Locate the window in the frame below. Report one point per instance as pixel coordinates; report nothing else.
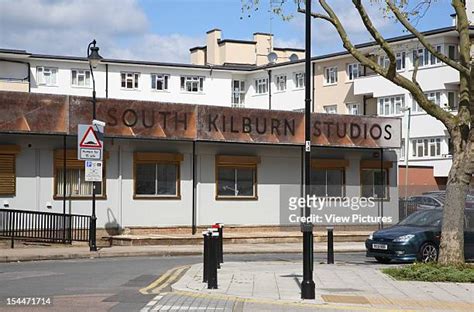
(453, 100)
(424, 57)
(384, 61)
(353, 109)
(80, 78)
(192, 84)
(46, 76)
(299, 80)
(129, 80)
(261, 86)
(434, 96)
(159, 82)
(453, 52)
(330, 109)
(374, 182)
(400, 59)
(238, 93)
(157, 175)
(330, 75)
(428, 147)
(236, 177)
(8, 169)
(353, 71)
(390, 105)
(328, 177)
(281, 82)
(76, 185)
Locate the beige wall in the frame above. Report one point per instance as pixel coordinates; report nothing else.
(198, 57)
(339, 94)
(240, 53)
(14, 86)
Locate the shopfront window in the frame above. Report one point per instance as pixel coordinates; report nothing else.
(374, 183)
(236, 177)
(157, 175)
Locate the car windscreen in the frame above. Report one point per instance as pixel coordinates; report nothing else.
(429, 217)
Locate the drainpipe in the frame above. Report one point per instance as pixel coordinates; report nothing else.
(106, 81)
(270, 89)
(314, 89)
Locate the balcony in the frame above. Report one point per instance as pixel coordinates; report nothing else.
(18, 85)
(429, 77)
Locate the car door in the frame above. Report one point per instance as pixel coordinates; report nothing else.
(469, 234)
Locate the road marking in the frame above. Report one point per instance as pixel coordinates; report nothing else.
(164, 280)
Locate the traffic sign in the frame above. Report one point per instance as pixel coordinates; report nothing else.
(90, 142)
(93, 171)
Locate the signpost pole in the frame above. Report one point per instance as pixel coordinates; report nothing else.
(93, 244)
(307, 285)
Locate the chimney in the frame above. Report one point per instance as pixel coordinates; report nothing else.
(213, 55)
(264, 45)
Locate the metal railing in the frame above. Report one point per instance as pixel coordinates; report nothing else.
(44, 226)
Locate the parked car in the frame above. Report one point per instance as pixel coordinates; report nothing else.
(416, 238)
(427, 201)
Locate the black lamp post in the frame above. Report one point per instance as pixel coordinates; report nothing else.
(94, 59)
(307, 285)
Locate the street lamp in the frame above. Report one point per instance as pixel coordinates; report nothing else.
(407, 147)
(94, 59)
(307, 285)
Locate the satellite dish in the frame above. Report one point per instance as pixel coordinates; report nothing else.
(294, 57)
(272, 57)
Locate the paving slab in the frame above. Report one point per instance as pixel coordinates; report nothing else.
(340, 285)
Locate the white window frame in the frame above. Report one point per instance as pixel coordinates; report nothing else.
(353, 71)
(424, 147)
(330, 109)
(351, 107)
(81, 73)
(428, 58)
(133, 77)
(455, 55)
(391, 105)
(384, 61)
(299, 80)
(261, 85)
(434, 96)
(52, 73)
(163, 78)
(238, 93)
(280, 81)
(452, 106)
(330, 75)
(192, 84)
(401, 60)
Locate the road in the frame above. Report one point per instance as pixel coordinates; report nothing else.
(114, 284)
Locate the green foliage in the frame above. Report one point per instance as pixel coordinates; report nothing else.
(433, 272)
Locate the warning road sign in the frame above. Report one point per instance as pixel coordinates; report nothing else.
(90, 142)
(90, 139)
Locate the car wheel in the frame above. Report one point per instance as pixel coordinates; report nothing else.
(383, 260)
(428, 253)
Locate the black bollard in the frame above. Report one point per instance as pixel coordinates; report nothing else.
(212, 273)
(330, 245)
(221, 242)
(205, 264)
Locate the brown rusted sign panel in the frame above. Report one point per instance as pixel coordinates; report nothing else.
(60, 114)
(140, 119)
(29, 112)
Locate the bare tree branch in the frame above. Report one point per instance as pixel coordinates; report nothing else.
(392, 68)
(415, 71)
(446, 118)
(317, 15)
(404, 21)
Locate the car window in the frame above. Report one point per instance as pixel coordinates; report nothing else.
(469, 226)
(429, 217)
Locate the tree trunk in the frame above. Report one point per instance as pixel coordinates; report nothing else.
(452, 237)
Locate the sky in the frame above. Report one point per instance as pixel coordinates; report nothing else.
(165, 30)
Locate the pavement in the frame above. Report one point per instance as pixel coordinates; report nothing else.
(341, 286)
(60, 253)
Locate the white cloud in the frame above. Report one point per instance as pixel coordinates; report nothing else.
(65, 27)
(325, 37)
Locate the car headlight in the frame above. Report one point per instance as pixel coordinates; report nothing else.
(371, 236)
(404, 238)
